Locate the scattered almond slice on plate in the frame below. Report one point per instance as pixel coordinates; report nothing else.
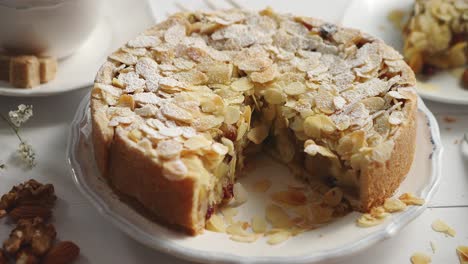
(278, 237)
(420, 258)
(440, 226)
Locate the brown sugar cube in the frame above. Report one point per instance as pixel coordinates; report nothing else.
(4, 67)
(24, 71)
(47, 68)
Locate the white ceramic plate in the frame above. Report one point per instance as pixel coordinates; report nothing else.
(371, 16)
(78, 70)
(334, 241)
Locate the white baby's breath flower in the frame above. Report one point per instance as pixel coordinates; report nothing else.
(27, 154)
(21, 115)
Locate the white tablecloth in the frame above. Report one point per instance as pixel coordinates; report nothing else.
(100, 242)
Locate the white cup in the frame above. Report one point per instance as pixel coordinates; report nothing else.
(47, 27)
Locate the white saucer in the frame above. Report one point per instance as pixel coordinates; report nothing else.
(332, 242)
(77, 71)
(371, 16)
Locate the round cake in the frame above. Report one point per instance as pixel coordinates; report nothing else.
(176, 111)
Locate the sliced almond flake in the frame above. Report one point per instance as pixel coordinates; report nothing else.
(197, 142)
(394, 205)
(175, 34)
(240, 194)
(216, 224)
(219, 148)
(241, 85)
(440, 226)
(143, 41)
(396, 118)
(379, 212)
(132, 81)
(295, 88)
(237, 228)
(339, 102)
(249, 238)
(367, 220)
(410, 199)
(188, 132)
(259, 225)
(420, 258)
(231, 115)
(258, 134)
(115, 121)
(146, 98)
(168, 149)
(112, 90)
(324, 101)
(290, 197)
(265, 76)
(278, 237)
(147, 68)
(462, 252)
(229, 213)
(174, 112)
(170, 131)
(124, 57)
(146, 111)
(151, 133)
(206, 122)
(174, 169)
(262, 185)
(278, 217)
(166, 82)
(396, 95)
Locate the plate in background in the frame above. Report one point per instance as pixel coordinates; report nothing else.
(371, 17)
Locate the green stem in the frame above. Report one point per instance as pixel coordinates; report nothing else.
(13, 127)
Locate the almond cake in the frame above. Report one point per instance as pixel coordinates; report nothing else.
(176, 110)
(436, 35)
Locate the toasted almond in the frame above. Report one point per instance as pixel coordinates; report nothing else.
(62, 252)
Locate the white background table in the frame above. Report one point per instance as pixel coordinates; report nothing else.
(100, 242)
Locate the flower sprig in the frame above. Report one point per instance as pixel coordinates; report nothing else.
(15, 120)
